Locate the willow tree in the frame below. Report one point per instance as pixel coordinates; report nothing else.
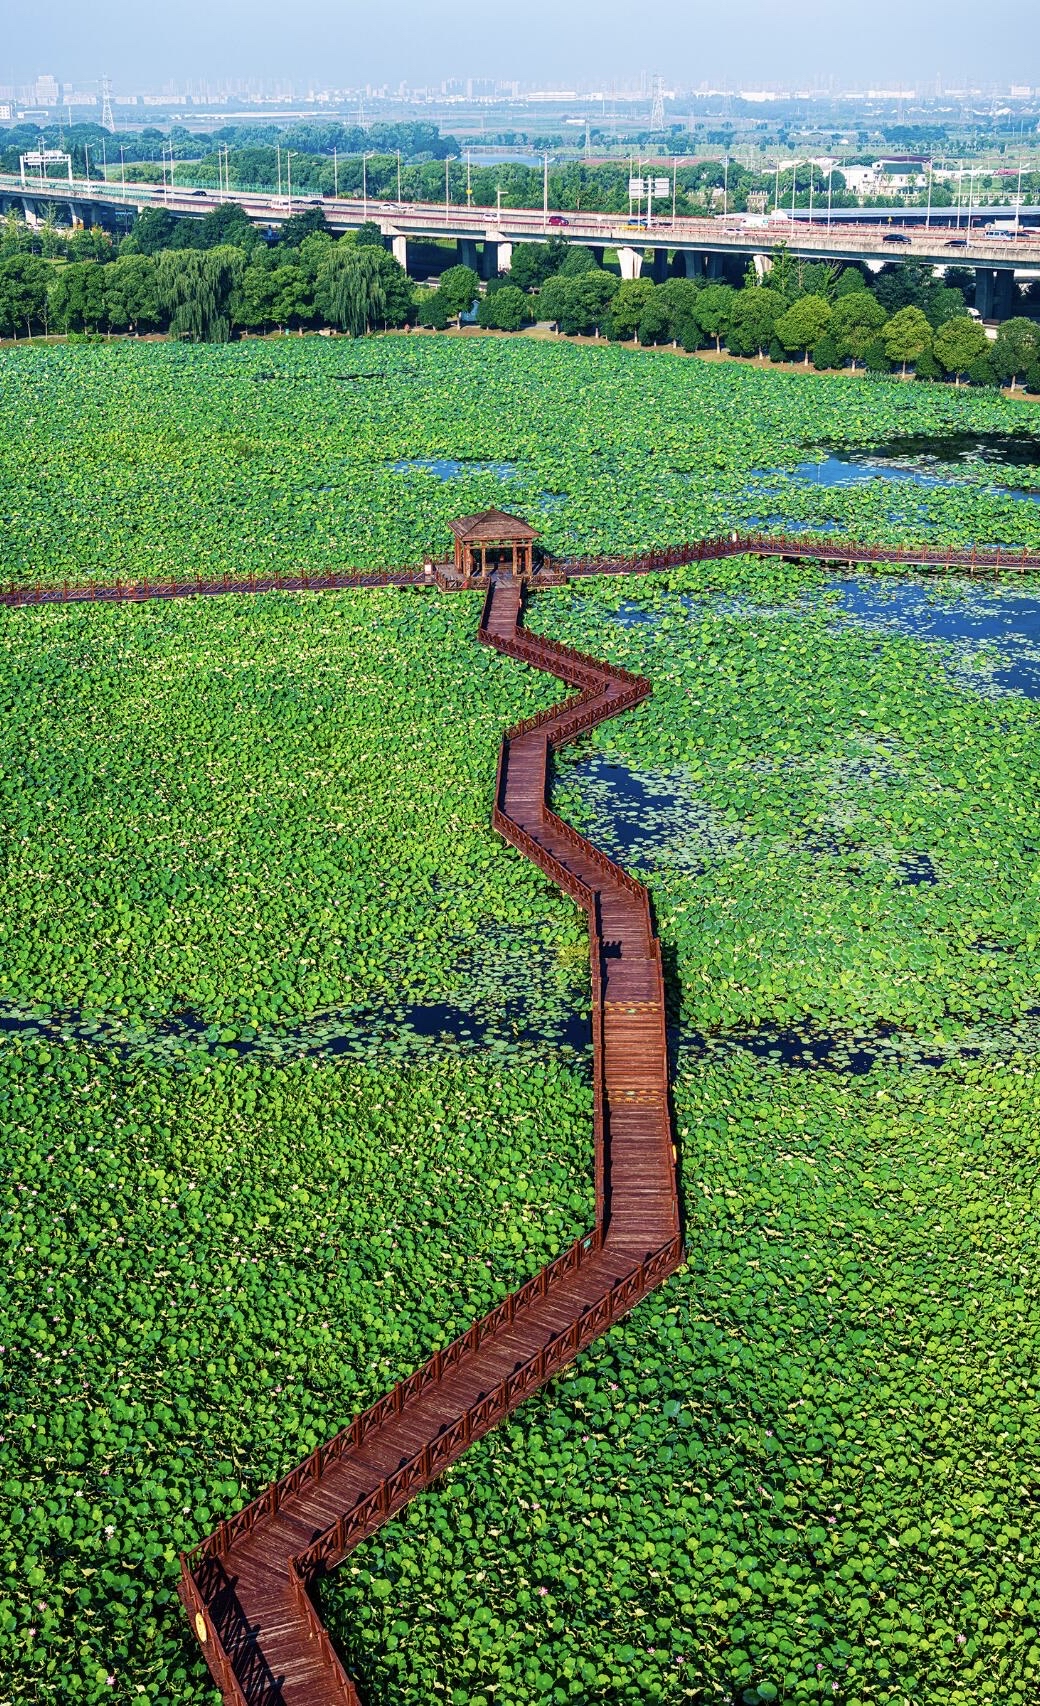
(361, 287)
(194, 289)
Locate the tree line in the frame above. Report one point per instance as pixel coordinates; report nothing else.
(232, 280)
(902, 319)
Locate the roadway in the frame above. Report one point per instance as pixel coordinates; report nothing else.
(939, 245)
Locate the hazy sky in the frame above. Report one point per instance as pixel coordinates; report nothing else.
(558, 43)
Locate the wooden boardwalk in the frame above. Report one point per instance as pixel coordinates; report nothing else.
(246, 1587)
(801, 548)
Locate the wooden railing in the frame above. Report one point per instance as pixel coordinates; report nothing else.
(394, 1403)
(396, 1489)
(794, 548)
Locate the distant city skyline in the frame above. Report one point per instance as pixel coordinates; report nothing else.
(314, 44)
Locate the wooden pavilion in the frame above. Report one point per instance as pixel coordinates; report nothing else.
(490, 541)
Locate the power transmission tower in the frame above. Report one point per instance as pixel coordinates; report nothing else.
(107, 121)
(657, 107)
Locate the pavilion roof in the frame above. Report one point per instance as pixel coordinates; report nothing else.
(492, 526)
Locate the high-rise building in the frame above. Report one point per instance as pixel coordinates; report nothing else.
(46, 92)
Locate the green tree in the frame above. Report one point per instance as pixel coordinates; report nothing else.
(680, 297)
(654, 325)
(506, 310)
(783, 273)
(253, 304)
(77, 297)
(154, 230)
(554, 298)
(803, 324)
(712, 309)
(958, 344)
(628, 307)
(194, 288)
(311, 223)
(130, 296)
(577, 260)
(850, 283)
(360, 287)
(533, 263)
(825, 352)
(855, 323)
(907, 335)
(1016, 348)
(228, 224)
(23, 294)
(460, 288)
(753, 320)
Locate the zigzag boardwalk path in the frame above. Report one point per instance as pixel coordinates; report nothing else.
(245, 1587)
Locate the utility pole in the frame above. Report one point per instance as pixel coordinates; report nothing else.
(335, 172)
(288, 169)
(278, 153)
(545, 190)
(107, 121)
(398, 175)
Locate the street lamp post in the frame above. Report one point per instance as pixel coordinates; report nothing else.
(545, 190)
(399, 176)
(335, 173)
(122, 172)
(288, 190)
(1018, 202)
(928, 214)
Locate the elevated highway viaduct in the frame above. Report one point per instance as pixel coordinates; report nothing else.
(485, 237)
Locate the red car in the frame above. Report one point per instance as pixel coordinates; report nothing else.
(558, 219)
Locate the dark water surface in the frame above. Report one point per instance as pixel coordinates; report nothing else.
(927, 461)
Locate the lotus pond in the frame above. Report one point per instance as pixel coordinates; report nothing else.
(287, 1037)
(809, 1467)
(159, 460)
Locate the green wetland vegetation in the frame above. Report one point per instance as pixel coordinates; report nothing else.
(807, 1468)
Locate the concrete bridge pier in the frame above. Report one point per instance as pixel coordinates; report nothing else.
(631, 263)
(597, 251)
(497, 257)
(399, 247)
(995, 292)
(688, 263)
(468, 253)
(761, 265)
(659, 265)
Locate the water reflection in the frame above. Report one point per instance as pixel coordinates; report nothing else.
(992, 638)
(451, 468)
(926, 462)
